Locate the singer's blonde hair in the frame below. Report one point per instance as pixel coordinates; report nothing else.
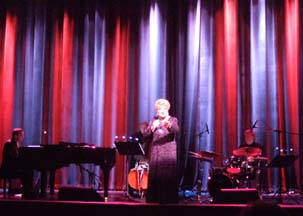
(162, 102)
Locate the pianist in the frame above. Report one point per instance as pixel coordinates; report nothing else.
(10, 162)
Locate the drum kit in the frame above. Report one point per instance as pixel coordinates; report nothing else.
(239, 170)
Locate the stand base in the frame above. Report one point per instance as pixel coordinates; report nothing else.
(279, 195)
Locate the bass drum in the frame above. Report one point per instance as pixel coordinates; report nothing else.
(218, 181)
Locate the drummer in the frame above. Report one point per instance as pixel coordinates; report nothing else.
(250, 140)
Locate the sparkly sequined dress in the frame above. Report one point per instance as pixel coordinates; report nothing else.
(162, 176)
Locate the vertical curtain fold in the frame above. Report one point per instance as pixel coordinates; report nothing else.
(7, 74)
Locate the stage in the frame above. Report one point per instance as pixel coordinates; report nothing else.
(119, 203)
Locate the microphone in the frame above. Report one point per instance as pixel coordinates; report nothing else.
(254, 125)
(153, 127)
(207, 130)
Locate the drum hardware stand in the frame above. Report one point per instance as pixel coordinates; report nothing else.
(261, 173)
(247, 174)
(247, 177)
(199, 180)
(128, 148)
(201, 157)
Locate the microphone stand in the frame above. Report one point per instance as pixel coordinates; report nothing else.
(92, 176)
(279, 161)
(279, 192)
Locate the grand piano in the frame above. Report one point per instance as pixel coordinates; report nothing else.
(50, 157)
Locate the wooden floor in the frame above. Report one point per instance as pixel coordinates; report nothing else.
(121, 204)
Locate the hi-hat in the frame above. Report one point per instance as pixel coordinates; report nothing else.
(247, 151)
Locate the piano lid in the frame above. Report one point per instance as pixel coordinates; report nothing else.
(33, 146)
(38, 145)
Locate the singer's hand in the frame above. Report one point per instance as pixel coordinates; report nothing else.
(156, 123)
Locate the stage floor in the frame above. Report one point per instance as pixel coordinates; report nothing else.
(119, 203)
(186, 197)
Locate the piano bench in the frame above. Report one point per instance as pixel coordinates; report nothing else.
(7, 178)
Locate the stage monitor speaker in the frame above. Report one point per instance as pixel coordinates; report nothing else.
(236, 196)
(79, 194)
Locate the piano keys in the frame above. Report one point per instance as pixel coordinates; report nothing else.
(50, 157)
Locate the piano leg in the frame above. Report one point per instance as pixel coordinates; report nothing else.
(52, 182)
(106, 171)
(43, 180)
(44, 177)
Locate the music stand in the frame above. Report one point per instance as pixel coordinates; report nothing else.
(282, 161)
(129, 148)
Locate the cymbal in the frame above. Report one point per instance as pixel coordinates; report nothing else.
(247, 151)
(262, 158)
(200, 157)
(208, 154)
